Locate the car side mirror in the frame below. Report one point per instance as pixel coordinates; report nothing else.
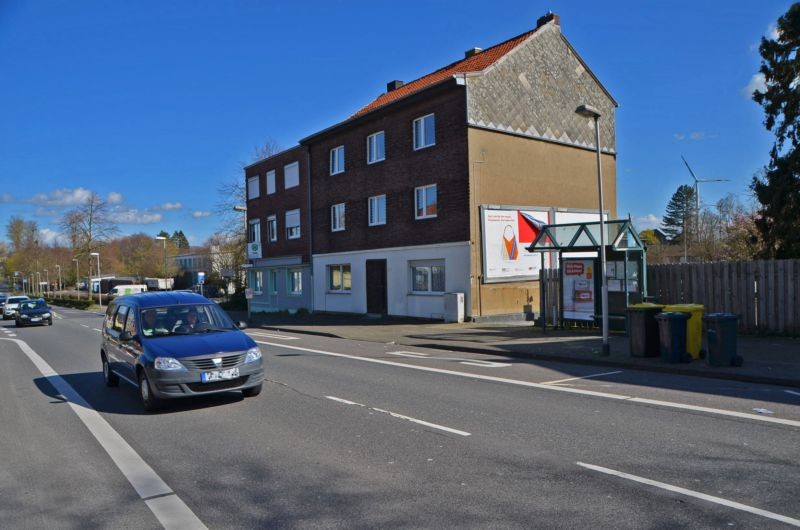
(241, 325)
(126, 335)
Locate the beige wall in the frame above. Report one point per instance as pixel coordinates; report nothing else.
(517, 171)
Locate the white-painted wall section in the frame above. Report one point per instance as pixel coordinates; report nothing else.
(401, 300)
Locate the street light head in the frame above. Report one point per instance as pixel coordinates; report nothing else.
(75, 259)
(240, 208)
(95, 253)
(587, 111)
(161, 238)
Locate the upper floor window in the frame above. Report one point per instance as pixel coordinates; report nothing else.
(337, 217)
(291, 175)
(254, 231)
(424, 132)
(293, 224)
(337, 160)
(377, 210)
(270, 182)
(252, 187)
(425, 202)
(375, 148)
(272, 228)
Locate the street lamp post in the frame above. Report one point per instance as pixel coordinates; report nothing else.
(77, 276)
(164, 239)
(38, 283)
(99, 281)
(243, 209)
(47, 287)
(588, 111)
(59, 278)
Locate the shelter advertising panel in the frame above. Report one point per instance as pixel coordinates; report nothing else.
(506, 233)
(579, 294)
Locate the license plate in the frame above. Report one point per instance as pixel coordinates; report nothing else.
(219, 375)
(36, 319)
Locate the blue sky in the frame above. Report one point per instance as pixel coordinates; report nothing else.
(153, 104)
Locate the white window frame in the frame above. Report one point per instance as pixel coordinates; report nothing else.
(292, 288)
(424, 190)
(294, 169)
(253, 191)
(428, 267)
(341, 288)
(421, 140)
(372, 203)
(253, 231)
(338, 213)
(335, 161)
(372, 150)
(290, 234)
(272, 228)
(271, 182)
(258, 283)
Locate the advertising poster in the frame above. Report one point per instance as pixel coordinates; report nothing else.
(579, 294)
(506, 234)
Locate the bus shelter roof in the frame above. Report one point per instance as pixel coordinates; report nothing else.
(620, 235)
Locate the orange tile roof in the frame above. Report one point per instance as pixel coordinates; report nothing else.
(477, 63)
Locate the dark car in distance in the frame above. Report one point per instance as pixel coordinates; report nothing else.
(33, 313)
(177, 344)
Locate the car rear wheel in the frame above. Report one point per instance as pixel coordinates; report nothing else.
(253, 391)
(149, 401)
(111, 379)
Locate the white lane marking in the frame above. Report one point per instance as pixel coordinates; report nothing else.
(402, 417)
(792, 392)
(485, 364)
(696, 494)
(84, 325)
(554, 388)
(95, 329)
(169, 509)
(584, 377)
(271, 335)
(408, 354)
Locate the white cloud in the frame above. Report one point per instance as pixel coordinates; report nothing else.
(772, 32)
(135, 217)
(198, 214)
(679, 136)
(6, 197)
(647, 222)
(63, 197)
(697, 135)
(50, 237)
(41, 211)
(169, 206)
(114, 198)
(757, 83)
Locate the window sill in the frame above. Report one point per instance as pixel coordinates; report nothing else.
(337, 173)
(377, 224)
(337, 229)
(424, 147)
(338, 292)
(425, 217)
(426, 293)
(375, 161)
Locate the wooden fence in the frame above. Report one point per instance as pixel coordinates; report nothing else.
(765, 294)
(551, 296)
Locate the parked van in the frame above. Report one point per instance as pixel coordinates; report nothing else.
(120, 290)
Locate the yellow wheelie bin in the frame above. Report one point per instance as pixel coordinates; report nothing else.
(694, 326)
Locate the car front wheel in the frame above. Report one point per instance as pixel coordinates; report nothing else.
(149, 401)
(110, 378)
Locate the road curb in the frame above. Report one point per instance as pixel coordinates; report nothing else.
(664, 369)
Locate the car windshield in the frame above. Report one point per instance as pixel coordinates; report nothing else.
(16, 299)
(184, 319)
(33, 304)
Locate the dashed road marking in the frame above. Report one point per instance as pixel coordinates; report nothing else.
(792, 392)
(271, 335)
(583, 377)
(695, 494)
(402, 417)
(165, 504)
(555, 388)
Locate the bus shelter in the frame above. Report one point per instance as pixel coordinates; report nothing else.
(573, 250)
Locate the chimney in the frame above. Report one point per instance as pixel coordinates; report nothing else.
(472, 51)
(393, 85)
(550, 16)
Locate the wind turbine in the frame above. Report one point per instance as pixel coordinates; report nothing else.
(696, 187)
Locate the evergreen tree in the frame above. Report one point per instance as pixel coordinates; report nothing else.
(179, 240)
(778, 190)
(680, 214)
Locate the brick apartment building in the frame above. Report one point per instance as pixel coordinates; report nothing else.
(436, 185)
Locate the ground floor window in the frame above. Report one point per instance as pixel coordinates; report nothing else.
(257, 282)
(273, 281)
(339, 278)
(295, 279)
(427, 276)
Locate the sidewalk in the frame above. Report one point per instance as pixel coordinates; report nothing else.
(768, 360)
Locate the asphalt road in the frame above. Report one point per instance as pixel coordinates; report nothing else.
(362, 435)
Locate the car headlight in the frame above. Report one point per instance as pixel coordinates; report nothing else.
(253, 354)
(45, 315)
(167, 363)
(24, 316)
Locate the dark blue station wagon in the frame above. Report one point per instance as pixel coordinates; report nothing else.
(177, 344)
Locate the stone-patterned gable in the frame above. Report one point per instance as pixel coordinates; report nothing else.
(534, 91)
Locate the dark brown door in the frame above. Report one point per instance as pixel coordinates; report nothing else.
(376, 286)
